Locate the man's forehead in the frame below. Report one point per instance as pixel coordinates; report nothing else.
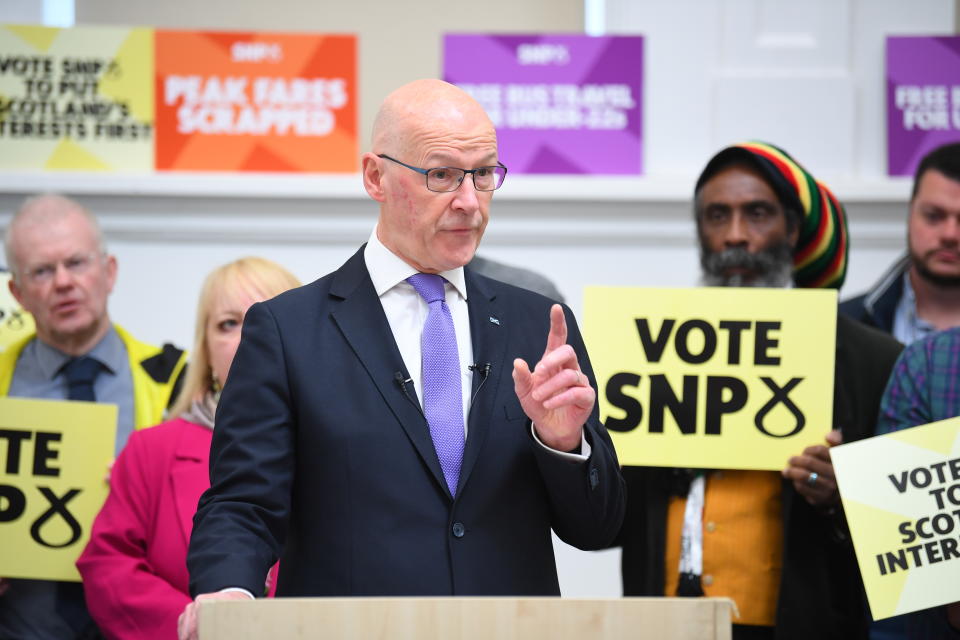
(457, 152)
(463, 123)
(444, 143)
(60, 237)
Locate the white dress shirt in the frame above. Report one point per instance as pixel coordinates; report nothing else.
(406, 312)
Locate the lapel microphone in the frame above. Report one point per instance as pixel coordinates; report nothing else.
(484, 369)
(402, 381)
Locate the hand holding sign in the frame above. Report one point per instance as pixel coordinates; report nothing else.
(556, 396)
(812, 473)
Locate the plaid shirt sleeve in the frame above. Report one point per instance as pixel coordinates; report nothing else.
(925, 384)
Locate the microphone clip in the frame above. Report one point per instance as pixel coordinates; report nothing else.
(483, 369)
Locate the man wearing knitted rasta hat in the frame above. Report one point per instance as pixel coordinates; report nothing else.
(777, 544)
(813, 250)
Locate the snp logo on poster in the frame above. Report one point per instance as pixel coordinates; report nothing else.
(256, 52)
(543, 54)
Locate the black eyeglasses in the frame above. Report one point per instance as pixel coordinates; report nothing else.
(443, 179)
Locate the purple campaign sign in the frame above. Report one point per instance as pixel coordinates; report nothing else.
(923, 98)
(561, 103)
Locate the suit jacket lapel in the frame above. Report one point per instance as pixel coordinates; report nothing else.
(487, 333)
(363, 324)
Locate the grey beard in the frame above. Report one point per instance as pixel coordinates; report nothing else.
(773, 267)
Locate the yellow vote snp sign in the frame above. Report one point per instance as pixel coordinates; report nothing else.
(14, 321)
(720, 378)
(53, 464)
(901, 496)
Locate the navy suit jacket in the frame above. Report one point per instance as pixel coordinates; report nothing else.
(319, 457)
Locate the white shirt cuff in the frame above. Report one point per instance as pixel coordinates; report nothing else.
(239, 590)
(572, 457)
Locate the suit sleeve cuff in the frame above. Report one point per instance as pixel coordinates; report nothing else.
(583, 456)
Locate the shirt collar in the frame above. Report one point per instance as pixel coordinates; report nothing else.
(387, 269)
(110, 352)
(909, 297)
(908, 301)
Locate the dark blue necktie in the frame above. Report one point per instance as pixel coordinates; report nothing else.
(80, 374)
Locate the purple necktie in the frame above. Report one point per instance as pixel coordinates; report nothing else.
(442, 397)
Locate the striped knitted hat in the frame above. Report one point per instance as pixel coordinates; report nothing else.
(820, 257)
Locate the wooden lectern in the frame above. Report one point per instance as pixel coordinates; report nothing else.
(467, 619)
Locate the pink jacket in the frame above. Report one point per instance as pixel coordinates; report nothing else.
(134, 567)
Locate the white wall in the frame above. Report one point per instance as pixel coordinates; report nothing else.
(806, 75)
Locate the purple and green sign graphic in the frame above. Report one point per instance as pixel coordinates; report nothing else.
(923, 98)
(562, 104)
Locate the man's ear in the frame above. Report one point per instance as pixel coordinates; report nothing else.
(15, 289)
(794, 217)
(373, 176)
(111, 267)
(794, 236)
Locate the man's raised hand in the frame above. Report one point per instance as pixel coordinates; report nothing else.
(556, 395)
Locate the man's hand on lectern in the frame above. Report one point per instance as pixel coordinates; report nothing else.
(187, 623)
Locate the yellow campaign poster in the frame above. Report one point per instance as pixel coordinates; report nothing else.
(76, 99)
(718, 378)
(54, 457)
(901, 496)
(14, 321)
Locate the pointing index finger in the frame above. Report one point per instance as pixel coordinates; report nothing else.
(558, 329)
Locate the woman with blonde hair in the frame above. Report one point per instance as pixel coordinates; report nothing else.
(134, 567)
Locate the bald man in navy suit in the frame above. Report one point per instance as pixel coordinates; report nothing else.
(328, 451)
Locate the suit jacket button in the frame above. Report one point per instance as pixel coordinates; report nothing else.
(459, 530)
(594, 478)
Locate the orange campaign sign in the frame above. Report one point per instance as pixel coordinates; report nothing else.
(255, 101)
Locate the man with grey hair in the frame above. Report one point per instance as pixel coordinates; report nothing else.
(63, 275)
